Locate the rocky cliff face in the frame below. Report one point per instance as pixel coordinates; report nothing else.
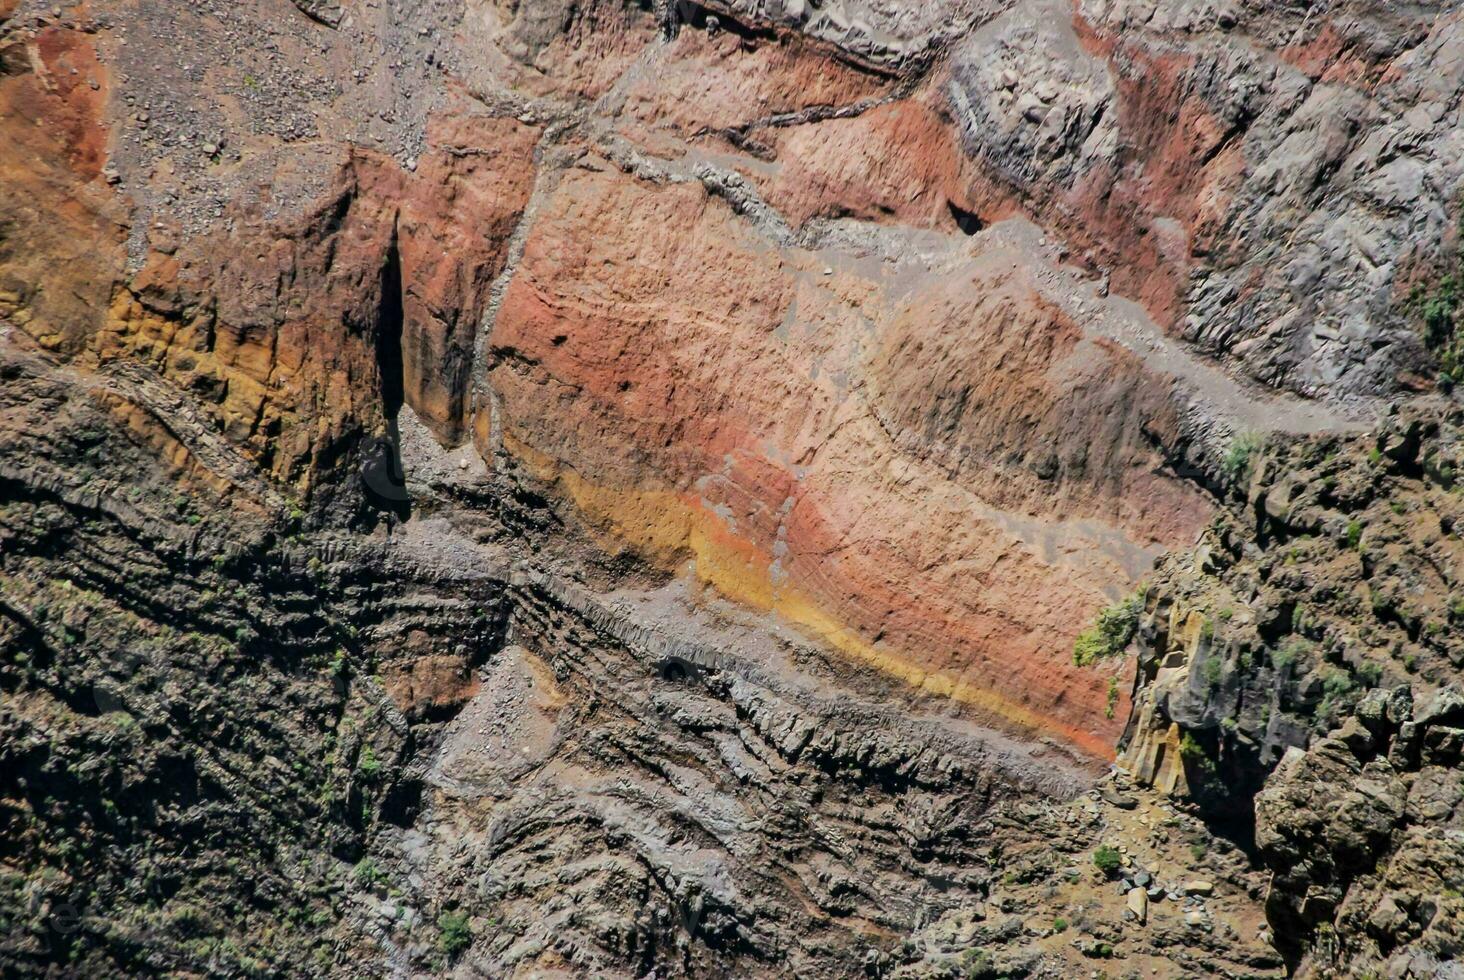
(1298, 676)
(616, 488)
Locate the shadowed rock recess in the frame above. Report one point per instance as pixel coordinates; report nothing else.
(754, 488)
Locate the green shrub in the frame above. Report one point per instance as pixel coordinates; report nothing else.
(1440, 309)
(1110, 633)
(1213, 668)
(1059, 925)
(367, 873)
(1236, 464)
(1354, 534)
(1295, 648)
(1196, 759)
(976, 965)
(1336, 683)
(455, 935)
(1107, 859)
(1370, 673)
(1112, 697)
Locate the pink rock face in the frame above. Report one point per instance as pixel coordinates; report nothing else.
(857, 451)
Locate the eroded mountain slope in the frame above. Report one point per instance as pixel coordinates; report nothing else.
(822, 369)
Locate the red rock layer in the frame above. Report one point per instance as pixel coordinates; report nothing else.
(854, 451)
(271, 322)
(913, 456)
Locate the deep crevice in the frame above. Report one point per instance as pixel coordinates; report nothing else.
(968, 221)
(381, 467)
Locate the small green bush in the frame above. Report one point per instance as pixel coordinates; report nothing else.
(1236, 464)
(1336, 683)
(367, 873)
(1112, 697)
(1354, 534)
(1370, 673)
(1213, 668)
(1107, 859)
(1059, 925)
(1443, 325)
(1295, 648)
(455, 935)
(1196, 759)
(1110, 633)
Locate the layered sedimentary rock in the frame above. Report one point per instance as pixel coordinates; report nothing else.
(675, 448)
(885, 148)
(782, 423)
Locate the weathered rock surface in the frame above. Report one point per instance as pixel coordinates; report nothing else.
(299, 750)
(1307, 652)
(1337, 570)
(1363, 829)
(555, 488)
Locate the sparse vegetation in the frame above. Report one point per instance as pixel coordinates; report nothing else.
(976, 964)
(1370, 673)
(1295, 648)
(1354, 534)
(1196, 759)
(1213, 668)
(1112, 697)
(1237, 462)
(1337, 685)
(367, 873)
(1107, 859)
(454, 935)
(1110, 634)
(1440, 308)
